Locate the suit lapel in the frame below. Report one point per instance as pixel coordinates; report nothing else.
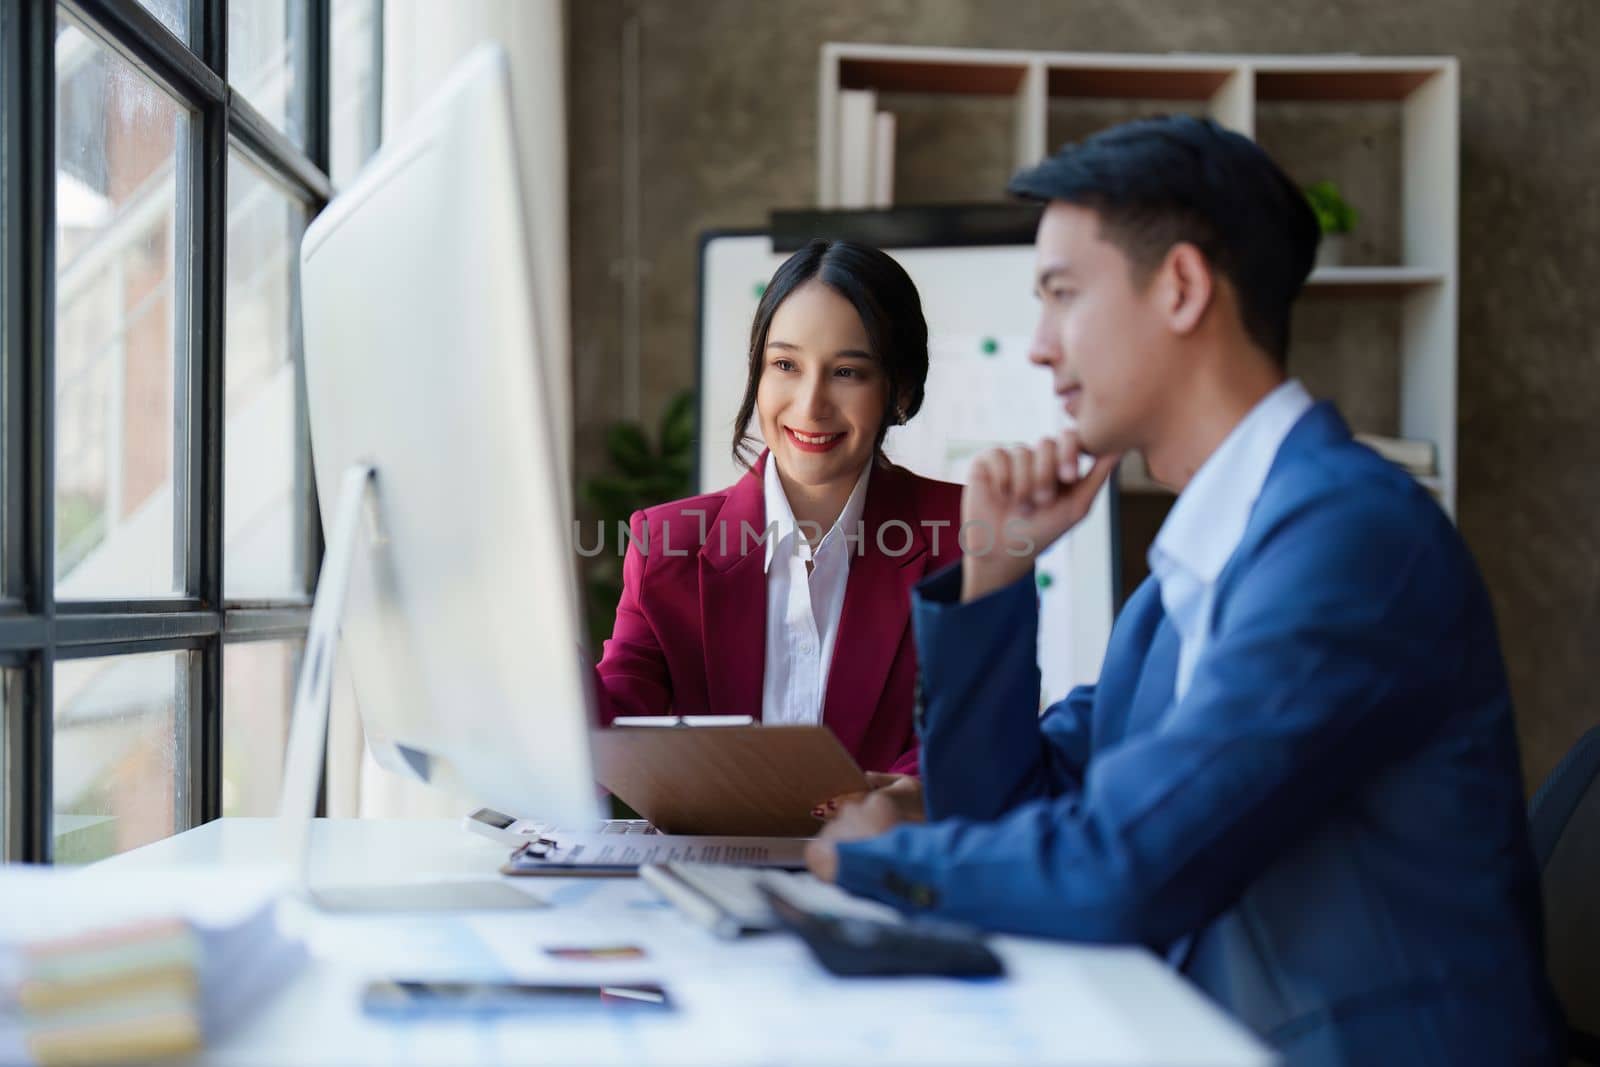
(1318, 428)
(733, 600)
(877, 606)
(1157, 680)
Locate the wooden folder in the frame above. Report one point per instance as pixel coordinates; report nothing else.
(759, 781)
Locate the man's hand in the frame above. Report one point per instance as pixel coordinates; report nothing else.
(855, 822)
(1018, 501)
(904, 789)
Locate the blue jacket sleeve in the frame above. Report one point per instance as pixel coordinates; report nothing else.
(982, 747)
(1333, 655)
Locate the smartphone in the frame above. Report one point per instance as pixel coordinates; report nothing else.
(411, 1000)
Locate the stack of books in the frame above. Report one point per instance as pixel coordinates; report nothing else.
(145, 989)
(1417, 458)
(866, 151)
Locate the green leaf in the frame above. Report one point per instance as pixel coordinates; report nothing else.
(603, 594)
(606, 569)
(680, 468)
(660, 489)
(629, 448)
(1334, 214)
(640, 476)
(678, 426)
(613, 498)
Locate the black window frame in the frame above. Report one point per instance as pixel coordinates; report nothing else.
(36, 630)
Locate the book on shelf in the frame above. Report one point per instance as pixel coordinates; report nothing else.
(865, 156)
(857, 108)
(1418, 458)
(883, 129)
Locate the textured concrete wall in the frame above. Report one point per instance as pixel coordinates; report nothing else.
(728, 131)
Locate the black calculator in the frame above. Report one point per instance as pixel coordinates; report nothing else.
(855, 947)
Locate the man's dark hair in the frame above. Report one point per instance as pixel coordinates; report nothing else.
(1162, 181)
(886, 299)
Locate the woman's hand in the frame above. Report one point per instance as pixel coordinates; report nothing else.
(904, 791)
(858, 820)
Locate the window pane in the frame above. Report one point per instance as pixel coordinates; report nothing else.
(258, 682)
(117, 339)
(266, 40)
(6, 711)
(354, 120)
(5, 239)
(263, 498)
(118, 765)
(174, 14)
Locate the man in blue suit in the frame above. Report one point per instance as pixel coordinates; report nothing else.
(1297, 776)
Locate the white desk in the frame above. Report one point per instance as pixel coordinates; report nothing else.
(761, 1000)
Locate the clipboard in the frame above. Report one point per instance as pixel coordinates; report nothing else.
(741, 781)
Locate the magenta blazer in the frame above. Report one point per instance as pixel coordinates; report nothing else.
(691, 630)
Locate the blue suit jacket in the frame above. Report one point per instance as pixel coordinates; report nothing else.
(1326, 834)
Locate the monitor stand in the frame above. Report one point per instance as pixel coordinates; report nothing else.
(308, 734)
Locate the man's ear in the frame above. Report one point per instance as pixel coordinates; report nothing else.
(1189, 287)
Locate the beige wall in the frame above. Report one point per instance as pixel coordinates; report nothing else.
(728, 131)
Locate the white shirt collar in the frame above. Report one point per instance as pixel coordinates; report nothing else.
(783, 525)
(1208, 521)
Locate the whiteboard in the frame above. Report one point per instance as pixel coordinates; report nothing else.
(981, 392)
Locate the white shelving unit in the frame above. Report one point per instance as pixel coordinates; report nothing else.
(1233, 89)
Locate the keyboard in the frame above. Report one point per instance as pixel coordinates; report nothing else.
(731, 900)
(846, 935)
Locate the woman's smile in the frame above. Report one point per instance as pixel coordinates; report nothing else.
(813, 442)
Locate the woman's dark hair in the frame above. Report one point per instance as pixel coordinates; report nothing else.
(885, 298)
(1159, 181)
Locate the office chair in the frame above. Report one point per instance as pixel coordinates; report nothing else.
(1565, 822)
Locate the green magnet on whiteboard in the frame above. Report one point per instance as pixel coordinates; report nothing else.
(1044, 580)
(990, 346)
(760, 289)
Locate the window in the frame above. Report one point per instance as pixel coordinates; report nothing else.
(266, 60)
(118, 349)
(174, 14)
(357, 60)
(258, 691)
(6, 710)
(266, 501)
(158, 528)
(119, 779)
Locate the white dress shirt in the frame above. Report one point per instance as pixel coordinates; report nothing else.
(803, 609)
(1208, 521)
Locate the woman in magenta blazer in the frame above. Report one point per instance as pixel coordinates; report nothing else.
(787, 595)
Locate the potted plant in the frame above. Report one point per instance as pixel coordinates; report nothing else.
(643, 473)
(1336, 218)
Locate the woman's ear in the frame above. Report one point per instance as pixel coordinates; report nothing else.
(897, 413)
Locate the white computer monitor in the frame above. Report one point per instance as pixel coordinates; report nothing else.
(461, 619)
